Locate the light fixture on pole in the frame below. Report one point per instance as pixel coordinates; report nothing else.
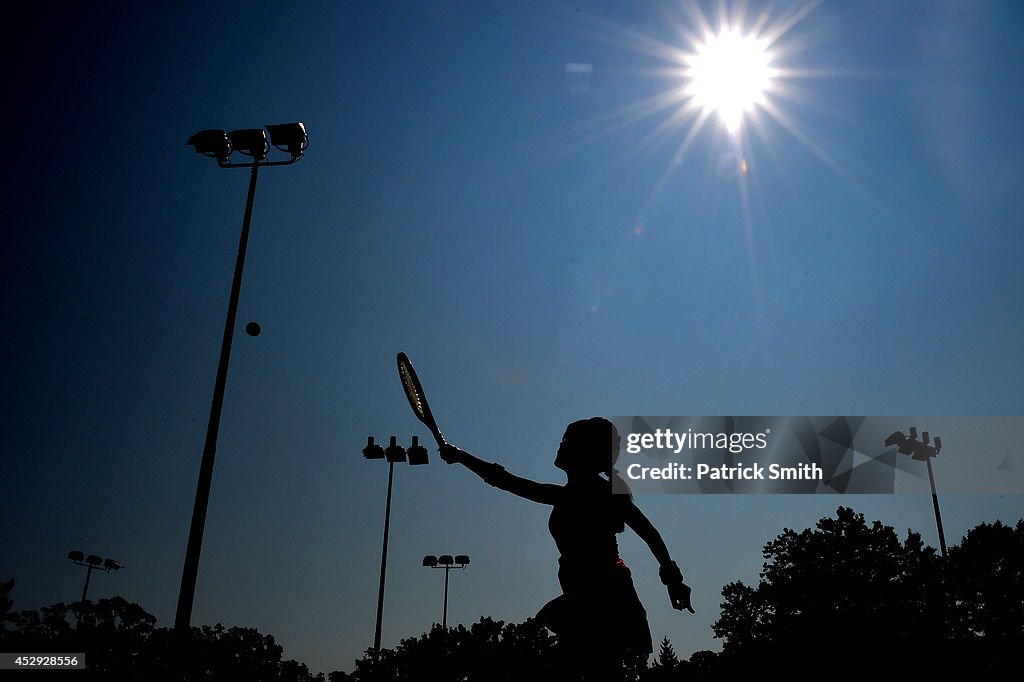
(417, 454)
(219, 144)
(90, 562)
(921, 450)
(447, 562)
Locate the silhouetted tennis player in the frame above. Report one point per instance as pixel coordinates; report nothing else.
(598, 613)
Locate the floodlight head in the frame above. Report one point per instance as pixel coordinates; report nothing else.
(904, 445)
(430, 561)
(924, 452)
(251, 142)
(75, 555)
(212, 143)
(289, 137)
(112, 564)
(394, 452)
(445, 560)
(895, 438)
(462, 559)
(372, 450)
(93, 560)
(938, 444)
(417, 453)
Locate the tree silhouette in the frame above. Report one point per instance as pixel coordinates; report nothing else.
(487, 650)
(987, 569)
(844, 580)
(848, 595)
(667, 656)
(666, 666)
(845, 597)
(121, 642)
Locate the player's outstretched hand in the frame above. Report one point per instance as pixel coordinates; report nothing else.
(678, 591)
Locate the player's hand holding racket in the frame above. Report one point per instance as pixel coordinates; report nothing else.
(418, 402)
(451, 454)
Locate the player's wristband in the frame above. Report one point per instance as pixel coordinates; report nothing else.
(495, 474)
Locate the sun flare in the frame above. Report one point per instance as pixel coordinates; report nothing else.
(729, 74)
(734, 66)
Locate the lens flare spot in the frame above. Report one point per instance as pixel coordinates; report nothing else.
(731, 165)
(577, 77)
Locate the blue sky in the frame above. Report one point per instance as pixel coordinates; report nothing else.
(531, 238)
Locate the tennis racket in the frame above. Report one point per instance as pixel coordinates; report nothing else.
(417, 398)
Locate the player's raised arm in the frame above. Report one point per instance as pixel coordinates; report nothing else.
(495, 474)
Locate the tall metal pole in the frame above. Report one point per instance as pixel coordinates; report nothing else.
(935, 504)
(85, 590)
(383, 564)
(183, 617)
(444, 617)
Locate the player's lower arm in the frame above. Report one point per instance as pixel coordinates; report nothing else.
(485, 470)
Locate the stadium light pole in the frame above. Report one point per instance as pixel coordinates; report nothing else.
(219, 144)
(92, 561)
(921, 450)
(394, 453)
(447, 562)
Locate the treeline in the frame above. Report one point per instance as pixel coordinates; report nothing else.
(846, 597)
(121, 642)
(851, 597)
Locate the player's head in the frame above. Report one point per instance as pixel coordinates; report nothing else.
(589, 446)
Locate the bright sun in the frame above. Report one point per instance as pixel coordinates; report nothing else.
(729, 74)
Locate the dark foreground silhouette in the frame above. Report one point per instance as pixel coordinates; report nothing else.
(845, 599)
(598, 617)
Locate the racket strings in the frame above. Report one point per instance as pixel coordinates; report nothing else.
(410, 390)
